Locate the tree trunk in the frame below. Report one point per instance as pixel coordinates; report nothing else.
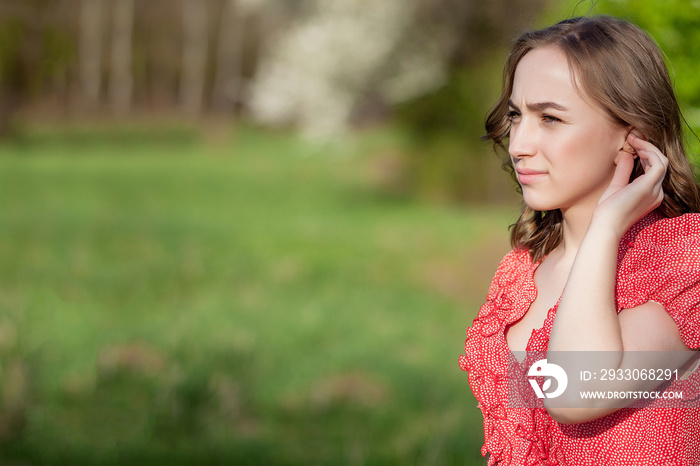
(194, 55)
(229, 60)
(91, 51)
(120, 82)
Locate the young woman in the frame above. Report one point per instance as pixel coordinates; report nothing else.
(606, 254)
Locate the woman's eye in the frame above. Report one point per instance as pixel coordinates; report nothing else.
(550, 119)
(512, 115)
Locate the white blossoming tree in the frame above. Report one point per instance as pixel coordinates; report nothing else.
(320, 67)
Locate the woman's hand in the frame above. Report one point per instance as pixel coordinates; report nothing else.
(623, 203)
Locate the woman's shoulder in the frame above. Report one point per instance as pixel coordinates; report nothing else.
(516, 258)
(516, 262)
(657, 242)
(514, 270)
(660, 262)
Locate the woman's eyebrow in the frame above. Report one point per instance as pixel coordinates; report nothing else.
(540, 106)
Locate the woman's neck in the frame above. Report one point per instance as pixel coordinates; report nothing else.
(575, 223)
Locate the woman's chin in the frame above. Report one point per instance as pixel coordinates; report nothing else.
(538, 204)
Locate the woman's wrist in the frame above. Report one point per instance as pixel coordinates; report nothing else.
(605, 228)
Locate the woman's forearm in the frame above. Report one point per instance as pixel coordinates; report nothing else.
(586, 318)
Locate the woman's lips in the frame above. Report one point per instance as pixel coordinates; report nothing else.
(527, 175)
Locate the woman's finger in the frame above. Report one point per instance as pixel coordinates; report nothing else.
(652, 160)
(624, 168)
(648, 153)
(639, 144)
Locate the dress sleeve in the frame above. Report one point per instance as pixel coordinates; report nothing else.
(665, 268)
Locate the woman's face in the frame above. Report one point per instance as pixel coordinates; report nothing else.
(563, 147)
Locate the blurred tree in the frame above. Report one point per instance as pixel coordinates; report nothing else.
(21, 54)
(194, 54)
(91, 26)
(157, 54)
(120, 81)
(13, 73)
(231, 35)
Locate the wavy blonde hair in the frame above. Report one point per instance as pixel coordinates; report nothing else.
(621, 69)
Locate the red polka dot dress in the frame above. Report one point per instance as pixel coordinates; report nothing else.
(658, 260)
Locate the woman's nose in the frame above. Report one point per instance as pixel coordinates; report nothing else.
(522, 140)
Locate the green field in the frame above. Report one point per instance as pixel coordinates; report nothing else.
(169, 297)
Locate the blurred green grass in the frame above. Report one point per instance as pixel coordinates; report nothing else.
(171, 298)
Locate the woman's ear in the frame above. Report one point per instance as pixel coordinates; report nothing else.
(626, 147)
